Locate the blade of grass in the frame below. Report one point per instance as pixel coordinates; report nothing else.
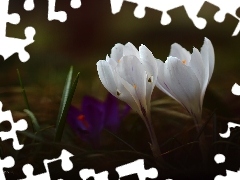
(65, 94)
(120, 140)
(68, 96)
(35, 124)
(23, 90)
(205, 125)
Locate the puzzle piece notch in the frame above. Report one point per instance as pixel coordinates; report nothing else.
(7, 162)
(75, 4)
(236, 89)
(28, 5)
(137, 167)
(87, 173)
(20, 125)
(66, 164)
(219, 158)
(230, 125)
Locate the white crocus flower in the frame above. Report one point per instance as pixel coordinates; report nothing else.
(130, 75)
(185, 76)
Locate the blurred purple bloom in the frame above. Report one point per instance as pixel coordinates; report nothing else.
(94, 115)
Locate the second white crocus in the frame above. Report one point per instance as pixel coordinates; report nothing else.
(185, 76)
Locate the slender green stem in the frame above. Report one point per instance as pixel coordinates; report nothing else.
(154, 145)
(202, 141)
(23, 90)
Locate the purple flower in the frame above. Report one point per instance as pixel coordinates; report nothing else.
(94, 115)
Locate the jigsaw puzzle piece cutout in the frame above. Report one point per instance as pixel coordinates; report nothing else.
(7, 162)
(8, 45)
(227, 133)
(227, 7)
(137, 167)
(20, 125)
(230, 175)
(66, 165)
(28, 171)
(11, 45)
(192, 8)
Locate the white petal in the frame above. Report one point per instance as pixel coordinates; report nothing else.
(117, 52)
(148, 61)
(200, 71)
(161, 84)
(208, 56)
(184, 83)
(129, 49)
(112, 62)
(196, 64)
(150, 66)
(131, 70)
(180, 52)
(106, 76)
(111, 81)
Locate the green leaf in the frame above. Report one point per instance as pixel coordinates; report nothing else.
(172, 113)
(66, 101)
(35, 124)
(65, 94)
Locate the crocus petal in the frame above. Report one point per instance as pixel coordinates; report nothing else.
(181, 53)
(106, 76)
(129, 49)
(208, 57)
(111, 81)
(133, 77)
(150, 65)
(178, 77)
(161, 84)
(117, 52)
(196, 65)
